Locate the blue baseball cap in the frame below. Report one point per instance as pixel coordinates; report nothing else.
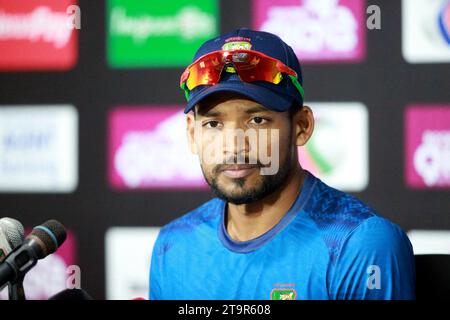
(277, 97)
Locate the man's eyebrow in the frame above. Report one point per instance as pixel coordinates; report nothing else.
(256, 109)
(214, 113)
(210, 113)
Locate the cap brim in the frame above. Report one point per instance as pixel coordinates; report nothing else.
(264, 96)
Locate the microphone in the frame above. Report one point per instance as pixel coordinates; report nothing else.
(11, 236)
(41, 242)
(71, 294)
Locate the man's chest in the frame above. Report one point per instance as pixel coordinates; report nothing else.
(261, 275)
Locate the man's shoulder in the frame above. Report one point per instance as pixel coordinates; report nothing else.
(330, 208)
(340, 216)
(190, 221)
(378, 234)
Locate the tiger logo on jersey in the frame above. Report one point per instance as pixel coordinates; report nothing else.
(283, 294)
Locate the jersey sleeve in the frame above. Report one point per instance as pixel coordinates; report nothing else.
(155, 281)
(376, 261)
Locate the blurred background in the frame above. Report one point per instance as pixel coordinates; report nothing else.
(92, 131)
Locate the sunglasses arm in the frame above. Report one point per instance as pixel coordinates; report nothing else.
(185, 89)
(297, 85)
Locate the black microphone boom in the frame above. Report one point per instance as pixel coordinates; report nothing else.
(41, 242)
(71, 294)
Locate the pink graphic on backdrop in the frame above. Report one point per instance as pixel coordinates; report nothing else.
(148, 149)
(427, 143)
(307, 162)
(67, 251)
(317, 30)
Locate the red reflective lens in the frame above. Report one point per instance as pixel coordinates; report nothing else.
(250, 66)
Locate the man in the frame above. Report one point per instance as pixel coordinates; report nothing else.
(274, 231)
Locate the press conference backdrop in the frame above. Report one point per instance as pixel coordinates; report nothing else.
(92, 130)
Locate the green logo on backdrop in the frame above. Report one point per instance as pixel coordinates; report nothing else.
(157, 33)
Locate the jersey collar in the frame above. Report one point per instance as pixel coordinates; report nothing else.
(254, 244)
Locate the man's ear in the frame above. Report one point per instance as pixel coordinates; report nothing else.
(190, 121)
(303, 125)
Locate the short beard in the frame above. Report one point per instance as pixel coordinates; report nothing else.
(269, 184)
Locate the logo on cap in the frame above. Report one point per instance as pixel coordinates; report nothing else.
(237, 43)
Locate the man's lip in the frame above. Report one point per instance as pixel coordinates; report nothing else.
(238, 171)
(237, 167)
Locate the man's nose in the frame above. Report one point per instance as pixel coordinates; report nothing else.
(236, 142)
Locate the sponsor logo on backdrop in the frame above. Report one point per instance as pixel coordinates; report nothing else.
(430, 241)
(317, 30)
(147, 34)
(426, 31)
(125, 280)
(49, 276)
(427, 146)
(38, 148)
(148, 149)
(37, 35)
(338, 150)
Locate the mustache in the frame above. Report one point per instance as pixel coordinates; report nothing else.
(233, 162)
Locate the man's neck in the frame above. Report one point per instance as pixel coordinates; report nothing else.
(248, 221)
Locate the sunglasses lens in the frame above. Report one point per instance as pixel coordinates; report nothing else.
(250, 66)
(204, 72)
(257, 68)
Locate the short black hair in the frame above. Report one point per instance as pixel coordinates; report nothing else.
(295, 106)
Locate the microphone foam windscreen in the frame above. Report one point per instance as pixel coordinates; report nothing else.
(57, 229)
(51, 234)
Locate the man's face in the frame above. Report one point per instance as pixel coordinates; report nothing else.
(246, 151)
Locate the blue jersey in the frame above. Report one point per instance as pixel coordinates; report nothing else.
(329, 245)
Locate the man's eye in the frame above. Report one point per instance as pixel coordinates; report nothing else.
(258, 120)
(212, 124)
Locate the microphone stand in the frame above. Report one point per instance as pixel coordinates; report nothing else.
(15, 289)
